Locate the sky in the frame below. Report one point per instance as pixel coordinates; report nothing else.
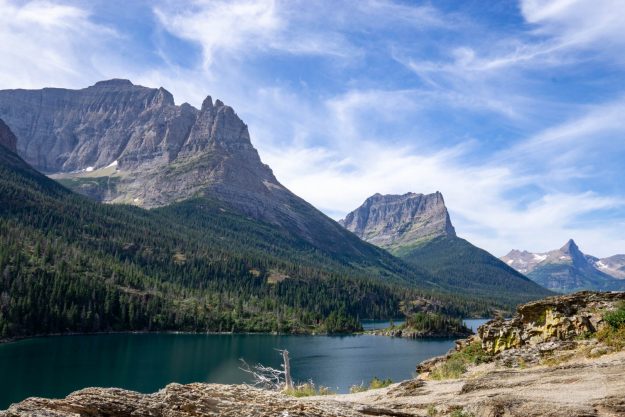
(513, 109)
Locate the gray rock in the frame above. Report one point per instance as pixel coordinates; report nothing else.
(391, 221)
(7, 138)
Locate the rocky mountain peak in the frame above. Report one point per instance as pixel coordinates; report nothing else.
(123, 143)
(570, 247)
(7, 138)
(569, 269)
(114, 83)
(207, 104)
(393, 221)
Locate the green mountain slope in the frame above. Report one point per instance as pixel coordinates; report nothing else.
(417, 228)
(457, 263)
(69, 264)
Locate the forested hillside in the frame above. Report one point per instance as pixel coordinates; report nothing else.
(69, 264)
(457, 263)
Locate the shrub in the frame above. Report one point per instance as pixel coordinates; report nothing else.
(358, 388)
(456, 364)
(376, 383)
(473, 354)
(451, 369)
(616, 318)
(308, 389)
(613, 334)
(612, 337)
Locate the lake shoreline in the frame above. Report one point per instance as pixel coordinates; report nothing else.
(145, 362)
(312, 333)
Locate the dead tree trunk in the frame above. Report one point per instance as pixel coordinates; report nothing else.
(287, 370)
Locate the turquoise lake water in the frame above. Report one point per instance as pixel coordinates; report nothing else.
(56, 366)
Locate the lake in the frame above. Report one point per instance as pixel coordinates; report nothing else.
(56, 366)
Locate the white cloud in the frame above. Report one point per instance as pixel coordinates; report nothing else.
(478, 196)
(238, 28)
(329, 147)
(578, 22)
(46, 44)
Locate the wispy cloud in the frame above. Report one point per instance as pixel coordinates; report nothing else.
(242, 27)
(45, 43)
(516, 118)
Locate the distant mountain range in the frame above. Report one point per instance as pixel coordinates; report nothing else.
(417, 228)
(568, 269)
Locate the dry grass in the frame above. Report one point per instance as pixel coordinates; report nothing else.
(308, 389)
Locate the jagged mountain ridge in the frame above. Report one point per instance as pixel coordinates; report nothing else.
(418, 229)
(122, 143)
(397, 221)
(568, 269)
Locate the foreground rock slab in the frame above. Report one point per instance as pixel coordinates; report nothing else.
(593, 387)
(177, 401)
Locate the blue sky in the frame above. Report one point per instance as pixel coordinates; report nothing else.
(514, 110)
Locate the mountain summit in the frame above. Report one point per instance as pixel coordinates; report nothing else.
(568, 269)
(393, 221)
(122, 143)
(418, 229)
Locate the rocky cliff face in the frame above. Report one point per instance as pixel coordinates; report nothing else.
(122, 143)
(392, 221)
(568, 269)
(7, 138)
(553, 322)
(545, 332)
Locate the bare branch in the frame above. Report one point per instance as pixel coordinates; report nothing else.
(270, 378)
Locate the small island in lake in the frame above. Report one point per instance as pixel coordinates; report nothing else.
(426, 325)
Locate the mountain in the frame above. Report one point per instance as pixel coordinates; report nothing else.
(568, 269)
(613, 266)
(417, 228)
(70, 264)
(398, 221)
(122, 143)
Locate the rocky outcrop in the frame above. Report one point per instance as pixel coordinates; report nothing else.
(7, 138)
(550, 330)
(549, 324)
(568, 269)
(392, 221)
(64, 130)
(199, 400)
